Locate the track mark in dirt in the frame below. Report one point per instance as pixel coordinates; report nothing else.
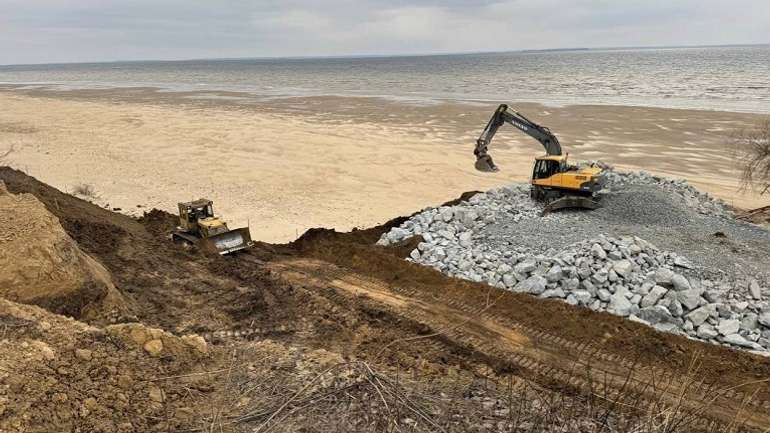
(552, 361)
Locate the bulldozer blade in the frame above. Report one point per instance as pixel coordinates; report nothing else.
(485, 163)
(571, 202)
(225, 243)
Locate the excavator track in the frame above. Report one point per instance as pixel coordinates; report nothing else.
(571, 202)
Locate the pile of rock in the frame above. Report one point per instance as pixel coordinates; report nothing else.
(703, 202)
(441, 226)
(626, 276)
(632, 278)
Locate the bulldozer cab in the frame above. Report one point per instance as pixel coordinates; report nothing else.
(199, 226)
(193, 212)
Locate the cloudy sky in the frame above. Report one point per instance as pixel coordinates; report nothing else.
(46, 31)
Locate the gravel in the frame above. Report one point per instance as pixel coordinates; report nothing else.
(658, 252)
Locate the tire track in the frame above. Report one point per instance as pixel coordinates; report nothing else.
(547, 359)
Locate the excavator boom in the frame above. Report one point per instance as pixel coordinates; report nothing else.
(504, 115)
(554, 181)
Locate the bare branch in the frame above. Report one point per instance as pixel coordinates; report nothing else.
(752, 148)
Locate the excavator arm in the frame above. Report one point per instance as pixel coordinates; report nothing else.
(503, 115)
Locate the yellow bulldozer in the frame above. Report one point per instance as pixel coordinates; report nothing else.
(554, 181)
(199, 227)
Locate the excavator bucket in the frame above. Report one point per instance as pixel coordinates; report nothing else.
(571, 202)
(228, 242)
(485, 163)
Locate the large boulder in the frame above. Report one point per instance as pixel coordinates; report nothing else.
(690, 299)
(750, 322)
(764, 318)
(554, 274)
(699, 316)
(729, 326)
(526, 266)
(680, 282)
(623, 268)
(653, 296)
(619, 304)
(534, 285)
(663, 276)
(657, 314)
(156, 342)
(40, 264)
(738, 340)
(598, 252)
(755, 290)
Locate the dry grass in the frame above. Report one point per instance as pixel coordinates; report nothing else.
(753, 150)
(355, 396)
(5, 154)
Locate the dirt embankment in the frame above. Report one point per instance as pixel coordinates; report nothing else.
(759, 216)
(59, 374)
(609, 332)
(300, 335)
(42, 265)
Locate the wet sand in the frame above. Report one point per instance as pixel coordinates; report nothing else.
(285, 165)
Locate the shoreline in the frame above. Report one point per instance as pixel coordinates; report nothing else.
(248, 97)
(287, 165)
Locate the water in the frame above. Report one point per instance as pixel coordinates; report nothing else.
(722, 78)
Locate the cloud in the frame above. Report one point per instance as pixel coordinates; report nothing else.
(92, 30)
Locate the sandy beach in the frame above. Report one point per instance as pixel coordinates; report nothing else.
(285, 165)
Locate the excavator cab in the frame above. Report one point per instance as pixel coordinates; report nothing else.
(553, 176)
(545, 168)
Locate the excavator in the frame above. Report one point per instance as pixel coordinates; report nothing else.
(198, 226)
(554, 181)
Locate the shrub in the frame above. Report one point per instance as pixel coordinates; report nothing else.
(84, 190)
(753, 150)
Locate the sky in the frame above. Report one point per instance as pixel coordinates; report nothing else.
(52, 31)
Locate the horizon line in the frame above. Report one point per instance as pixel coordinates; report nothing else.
(425, 54)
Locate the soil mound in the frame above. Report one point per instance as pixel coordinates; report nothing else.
(157, 342)
(42, 265)
(56, 371)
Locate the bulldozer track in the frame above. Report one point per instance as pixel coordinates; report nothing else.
(540, 357)
(545, 358)
(246, 333)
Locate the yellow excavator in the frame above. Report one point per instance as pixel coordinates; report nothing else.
(198, 226)
(554, 181)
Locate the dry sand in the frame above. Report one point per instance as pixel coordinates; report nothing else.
(283, 166)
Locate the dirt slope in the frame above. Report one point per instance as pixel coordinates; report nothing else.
(41, 264)
(490, 332)
(759, 216)
(341, 294)
(58, 374)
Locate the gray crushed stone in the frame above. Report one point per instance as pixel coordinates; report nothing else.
(658, 252)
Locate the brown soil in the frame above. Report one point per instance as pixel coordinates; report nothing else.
(58, 374)
(628, 339)
(42, 265)
(339, 297)
(757, 216)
